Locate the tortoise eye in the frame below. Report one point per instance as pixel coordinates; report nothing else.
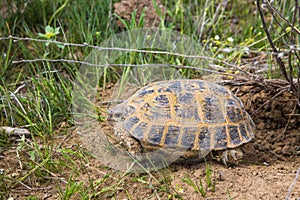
(117, 115)
(114, 114)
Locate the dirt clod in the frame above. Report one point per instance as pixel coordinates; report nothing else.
(125, 8)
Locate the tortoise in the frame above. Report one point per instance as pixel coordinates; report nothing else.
(189, 114)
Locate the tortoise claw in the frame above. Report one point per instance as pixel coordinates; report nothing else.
(231, 156)
(224, 157)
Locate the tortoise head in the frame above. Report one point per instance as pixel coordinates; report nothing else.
(116, 114)
(120, 112)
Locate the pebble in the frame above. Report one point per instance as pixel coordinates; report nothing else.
(278, 150)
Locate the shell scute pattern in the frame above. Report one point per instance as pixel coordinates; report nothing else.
(234, 135)
(212, 113)
(234, 109)
(204, 138)
(138, 132)
(195, 87)
(217, 89)
(155, 134)
(174, 87)
(188, 137)
(190, 114)
(172, 136)
(145, 92)
(243, 129)
(220, 137)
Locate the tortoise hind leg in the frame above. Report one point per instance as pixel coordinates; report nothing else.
(230, 156)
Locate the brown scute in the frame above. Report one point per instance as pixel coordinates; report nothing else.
(220, 139)
(186, 98)
(204, 138)
(173, 87)
(188, 137)
(143, 93)
(187, 116)
(172, 136)
(234, 114)
(244, 133)
(212, 110)
(155, 115)
(155, 134)
(162, 99)
(218, 89)
(195, 86)
(234, 136)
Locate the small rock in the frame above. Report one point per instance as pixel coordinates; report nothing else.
(220, 176)
(278, 150)
(255, 173)
(261, 126)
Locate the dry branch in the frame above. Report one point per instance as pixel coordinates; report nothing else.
(293, 185)
(286, 69)
(14, 131)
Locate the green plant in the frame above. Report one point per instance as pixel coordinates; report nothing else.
(50, 33)
(200, 187)
(74, 189)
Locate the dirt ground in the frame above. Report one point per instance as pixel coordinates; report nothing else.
(270, 161)
(267, 171)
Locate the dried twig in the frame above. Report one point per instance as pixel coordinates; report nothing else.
(14, 131)
(291, 46)
(287, 197)
(278, 59)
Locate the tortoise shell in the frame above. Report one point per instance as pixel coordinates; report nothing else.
(189, 114)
